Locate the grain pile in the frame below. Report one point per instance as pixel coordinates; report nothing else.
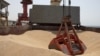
(35, 43)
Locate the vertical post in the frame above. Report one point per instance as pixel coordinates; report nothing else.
(0, 12)
(25, 10)
(69, 9)
(6, 13)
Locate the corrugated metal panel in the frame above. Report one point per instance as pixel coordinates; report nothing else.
(53, 14)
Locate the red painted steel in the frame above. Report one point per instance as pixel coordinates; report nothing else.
(24, 16)
(67, 42)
